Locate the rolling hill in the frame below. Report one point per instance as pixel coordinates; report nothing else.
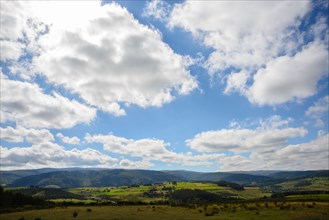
(77, 177)
(96, 178)
(240, 178)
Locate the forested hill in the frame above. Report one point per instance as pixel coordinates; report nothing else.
(120, 177)
(96, 178)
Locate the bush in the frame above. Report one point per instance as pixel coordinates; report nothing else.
(210, 213)
(89, 210)
(21, 218)
(75, 214)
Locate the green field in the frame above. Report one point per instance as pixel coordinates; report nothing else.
(314, 183)
(310, 197)
(245, 211)
(159, 191)
(249, 203)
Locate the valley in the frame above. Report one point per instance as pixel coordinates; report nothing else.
(140, 194)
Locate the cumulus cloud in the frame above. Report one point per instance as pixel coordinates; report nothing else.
(259, 48)
(21, 134)
(237, 82)
(262, 135)
(53, 155)
(128, 164)
(150, 150)
(287, 78)
(10, 50)
(158, 9)
(136, 148)
(19, 33)
(12, 22)
(29, 106)
(318, 110)
(243, 34)
(68, 140)
(243, 140)
(102, 53)
(264, 147)
(47, 154)
(312, 155)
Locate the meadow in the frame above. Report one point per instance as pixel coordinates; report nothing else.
(157, 192)
(237, 211)
(156, 201)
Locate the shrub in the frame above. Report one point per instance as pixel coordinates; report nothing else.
(75, 214)
(37, 218)
(21, 218)
(209, 213)
(89, 210)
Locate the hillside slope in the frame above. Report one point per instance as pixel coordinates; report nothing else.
(95, 178)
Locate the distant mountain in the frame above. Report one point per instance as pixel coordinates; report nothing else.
(240, 178)
(299, 174)
(47, 193)
(185, 174)
(96, 178)
(280, 174)
(77, 177)
(8, 177)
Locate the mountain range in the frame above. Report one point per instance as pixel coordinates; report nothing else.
(78, 177)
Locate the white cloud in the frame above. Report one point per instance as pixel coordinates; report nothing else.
(262, 135)
(243, 34)
(305, 156)
(107, 57)
(29, 106)
(128, 164)
(10, 50)
(264, 147)
(18, 33)
(52, 155)
(13, 20)
(158, 9)
(287, 78)
(318, 110)
(243, 140)
(21, 134)
(274, 121)
(261, 39)
(136, 148)
(150, 150)
(237, 82)
(68, 140)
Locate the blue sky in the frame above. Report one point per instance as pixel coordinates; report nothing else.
(160, 85)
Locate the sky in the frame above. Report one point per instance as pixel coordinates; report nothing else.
(164, 85)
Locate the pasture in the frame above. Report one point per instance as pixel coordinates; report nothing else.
(237, 211)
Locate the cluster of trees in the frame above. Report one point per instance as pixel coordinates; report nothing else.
(185, 196)
(10, 199)
(281, 195)
(231, 185)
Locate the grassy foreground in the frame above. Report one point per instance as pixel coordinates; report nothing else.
(246, 211)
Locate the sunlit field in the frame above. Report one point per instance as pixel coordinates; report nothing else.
(261, 210)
